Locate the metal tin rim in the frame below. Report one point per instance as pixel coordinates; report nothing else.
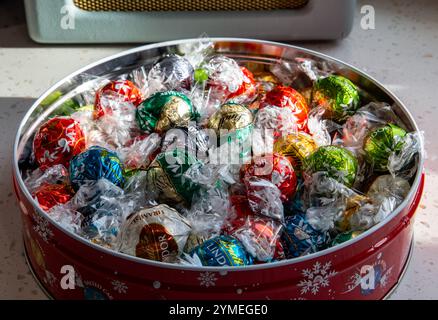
(318, 254)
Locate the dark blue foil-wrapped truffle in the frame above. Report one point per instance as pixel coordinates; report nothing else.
(94, 164)
(300, 238)
(222, 251)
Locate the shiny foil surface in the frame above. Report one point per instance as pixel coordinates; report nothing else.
(57, 141)
(94, 164)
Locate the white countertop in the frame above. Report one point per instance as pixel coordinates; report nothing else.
(402, 53)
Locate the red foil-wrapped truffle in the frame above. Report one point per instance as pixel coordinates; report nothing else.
(274, 168)
(287, 97)
(57, 141)
(124, 90)
(247, 90)
(260, 235)
(50, 195)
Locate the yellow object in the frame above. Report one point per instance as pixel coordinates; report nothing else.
(188, 5)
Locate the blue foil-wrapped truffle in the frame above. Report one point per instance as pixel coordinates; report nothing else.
(300, 238)
(94, 164)
(222, 251)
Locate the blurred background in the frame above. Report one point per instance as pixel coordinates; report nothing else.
(395, 41)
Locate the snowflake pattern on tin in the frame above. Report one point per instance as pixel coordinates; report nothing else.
(42, 227)
(207, 279)
(119, 286)
(316, 278)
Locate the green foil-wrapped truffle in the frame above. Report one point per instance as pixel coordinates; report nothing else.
(165, 177)
(164, 110)
(345, 236)
(338, 95)
(380, 143)
(338, 162)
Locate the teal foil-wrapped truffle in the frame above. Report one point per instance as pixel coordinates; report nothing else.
(339, 163)
(380, 143)
(94, 164)
(222, 251)
(164, 110)
(338, 95)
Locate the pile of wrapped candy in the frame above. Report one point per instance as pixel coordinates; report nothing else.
(195, 159)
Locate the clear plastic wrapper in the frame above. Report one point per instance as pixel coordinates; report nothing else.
(280, 120)
(224, 76)
(93, 136)
(137, 182)
(248, 90)
(204, 102)
(274, 168)
(403, 163)
(260, 236)
(210, 206)
(196, 52)
(85, 92)
(139, 76)
(387, 192)
(140, 152)
(171, 72)
(119, 126)
(136, 190)
(299, 72)
(207, 174)
(321, 128)
(264, 198)
(96, 211)
(53, 175)
(92, 195)
(189, 260)
(368, 117)
(388, 185)
(327, 201)
(334, 207)
(101, 228)
(364, 216)
(174, 71)
(262, 141)
(115, 129)
(67, 217)
(359, 212)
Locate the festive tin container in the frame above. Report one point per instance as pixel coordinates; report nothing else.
(369, 266)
